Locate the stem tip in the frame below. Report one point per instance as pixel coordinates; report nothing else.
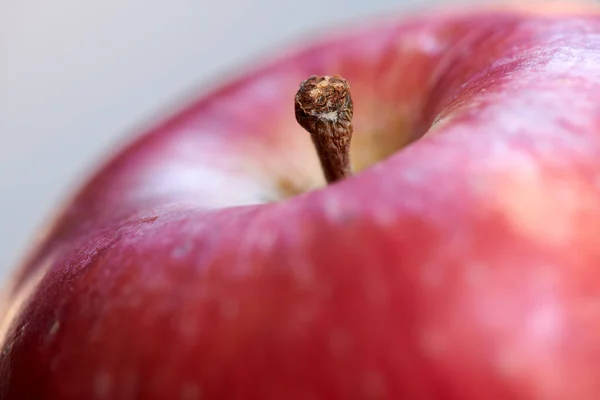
(324, 108)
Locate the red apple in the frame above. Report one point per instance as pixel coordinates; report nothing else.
(200, 263)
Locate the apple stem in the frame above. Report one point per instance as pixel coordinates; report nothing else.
(324, 108)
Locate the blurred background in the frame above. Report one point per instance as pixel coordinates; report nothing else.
(76, 76)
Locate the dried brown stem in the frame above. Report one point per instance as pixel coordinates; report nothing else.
(324, 108)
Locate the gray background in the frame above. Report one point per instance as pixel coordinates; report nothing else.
(77, 75)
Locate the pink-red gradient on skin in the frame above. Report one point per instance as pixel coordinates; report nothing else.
(462, 267)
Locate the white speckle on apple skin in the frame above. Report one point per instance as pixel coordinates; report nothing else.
(433, 343)
(432, 274)
(332, 207)
(229, 309)
(53, 329)
(302, 319)
(340, 342)
(476, 274)
(385, 217)
(374, 385)
(103, 385)
(265, 241)
(191, 391)
(515, 364)
(422, 42)
(303, 270)
(189, 329)
(182, 250)
(545, 324)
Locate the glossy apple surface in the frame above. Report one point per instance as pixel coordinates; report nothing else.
(200, 264)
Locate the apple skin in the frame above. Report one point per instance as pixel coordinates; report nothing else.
(462, 267)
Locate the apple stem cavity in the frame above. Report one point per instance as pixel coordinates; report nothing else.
(324, 108)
